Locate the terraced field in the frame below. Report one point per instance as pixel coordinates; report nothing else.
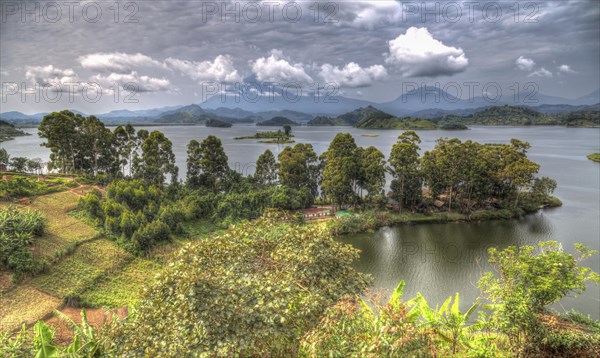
(84, 268)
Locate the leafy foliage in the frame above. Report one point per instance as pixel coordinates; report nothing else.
(252, 291)
(527, 282)
(17, 229)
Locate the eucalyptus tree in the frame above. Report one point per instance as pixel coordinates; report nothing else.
(266, 169)
(341, 170)
(299, 168)
(404, 167)
(157, 160)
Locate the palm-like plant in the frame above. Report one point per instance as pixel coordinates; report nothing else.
(85, 341)
(448, 322)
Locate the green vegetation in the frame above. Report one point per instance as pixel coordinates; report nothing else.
(17, 186)
(276, 286)
(218, 123)
(277, 122)
(8, 131)
(277, 141)
(268, 288)
(372, 118)
(17, 231)
(279, 137)
(595, 157)
(406, 123)
(353, 328)
(135, 214)
(250, 292)
(523, 116)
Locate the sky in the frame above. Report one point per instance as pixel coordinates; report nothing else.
(106, 55)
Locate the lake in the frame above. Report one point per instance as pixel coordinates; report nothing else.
(439, 259)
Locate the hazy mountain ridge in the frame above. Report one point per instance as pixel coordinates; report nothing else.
(425, 102)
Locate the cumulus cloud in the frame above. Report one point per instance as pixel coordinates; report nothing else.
(220, 70)
(117, 62)
(417, 54)
(525, 64)
(542, 72)
(276, 68)
(51, 76)
(353, 75)
(132, 82)
(565, 69)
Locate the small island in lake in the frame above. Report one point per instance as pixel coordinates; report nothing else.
(218, 123)
(594, 157)
(372, 118)
(277, 122)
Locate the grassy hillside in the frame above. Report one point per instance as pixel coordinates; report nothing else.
(82, 267)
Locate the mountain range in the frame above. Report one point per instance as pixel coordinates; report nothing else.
(423, 102)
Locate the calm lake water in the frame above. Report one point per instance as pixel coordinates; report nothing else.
(440, 259)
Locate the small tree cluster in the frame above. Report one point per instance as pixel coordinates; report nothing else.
(135, 213)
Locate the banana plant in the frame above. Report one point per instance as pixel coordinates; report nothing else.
(447, 322)
(85, 341)
(43, 341)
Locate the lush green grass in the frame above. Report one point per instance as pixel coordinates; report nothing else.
(78, 271)
(25, 304)
(63, 231)
(19, 186)
(594, 157)
(123, 288)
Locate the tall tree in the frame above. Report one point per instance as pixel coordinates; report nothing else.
(299, 168)
(266, 169)
(4, 158)
(341, 170)
(78, 144)
(127, 143)
(213, 163)
(404, 168)
(194, 155)
(371, 172)
(157, 160)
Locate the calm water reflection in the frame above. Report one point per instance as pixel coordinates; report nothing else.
(440, 259)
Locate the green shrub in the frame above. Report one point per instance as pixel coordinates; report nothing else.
(527, 282)
(253, 291)
(17, 229)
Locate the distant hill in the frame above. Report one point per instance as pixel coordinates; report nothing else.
(322, 121)
(368, 113)
(217, 123)
(291, 115)
(586, 118)
(406, 123)
(277, 122)
(8, 131)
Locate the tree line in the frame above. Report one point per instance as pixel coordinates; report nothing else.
(463, 175)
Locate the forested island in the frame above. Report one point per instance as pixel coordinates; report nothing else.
(218, 123)
(8, 131)
(373, 118)
(222, 264)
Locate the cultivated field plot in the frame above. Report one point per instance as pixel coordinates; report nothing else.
(82, 268)
(63, 231)
(122, 289)
(25, 304)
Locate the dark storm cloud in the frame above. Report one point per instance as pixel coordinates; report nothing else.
(171, 46)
